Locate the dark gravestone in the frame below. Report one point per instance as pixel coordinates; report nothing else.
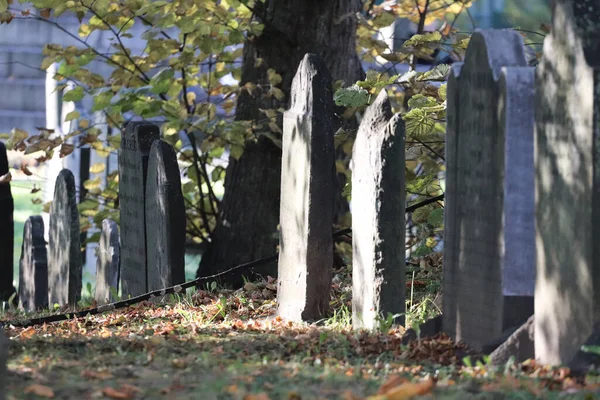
(567, 291)
(33, 266)
(107, 263)
(489, 193)
(133, 165)
(64, 246)
(378, 220)
(165, 218)
(307, 195)
(7, 229)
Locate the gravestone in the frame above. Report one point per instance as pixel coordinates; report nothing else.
(165, 217)
(308, 185)
(7, 230)
(378, 198)
(567, 186)
(33, 266)
(107, 263)
(489, 190)
(133, 166)
(64, 245)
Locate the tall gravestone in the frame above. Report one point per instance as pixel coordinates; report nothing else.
(107, 263)
(133, 166)
(64, 246)
(33, 266)
(378, 198)
(7, 230)
(489, 190)
(567, 294)
(165, 217)
(308, 185)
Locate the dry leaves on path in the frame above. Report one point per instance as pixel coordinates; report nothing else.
(40, 390)
(403, 391)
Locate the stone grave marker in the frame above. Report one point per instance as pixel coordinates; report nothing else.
(33, 266)
(7, 231)
(107, 263)
(165, 217)
(567, 184)
(378, 244)
(133, 165)
(64, 246)
(308, 184)
(489, 192)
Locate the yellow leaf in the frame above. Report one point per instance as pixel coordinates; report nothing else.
(39, 390)
(97, 168)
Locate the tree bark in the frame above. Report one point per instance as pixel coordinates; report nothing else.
(249, 215)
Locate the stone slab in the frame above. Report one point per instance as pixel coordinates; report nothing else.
(33, 266)
(64, 246)
(378, 220)
(165, 218)
(108, 263)
(133, 166)
(308, 185)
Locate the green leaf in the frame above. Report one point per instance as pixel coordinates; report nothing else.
(591, 349)
(436, 217)
(438, 73)
(420, 101)
(418, 122)
(3, 5)
(429, 37)
(353, 96)
(71, 116)
(75, 94)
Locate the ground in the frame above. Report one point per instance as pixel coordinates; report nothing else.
(221, 344)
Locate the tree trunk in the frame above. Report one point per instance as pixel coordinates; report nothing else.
(249, 215)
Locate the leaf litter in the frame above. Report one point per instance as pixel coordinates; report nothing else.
(229, 344)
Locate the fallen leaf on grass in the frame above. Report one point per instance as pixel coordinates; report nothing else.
(260, 396)
(406, 391)
(101, 375)
(391, 383)
(40, 390)
(125, 392)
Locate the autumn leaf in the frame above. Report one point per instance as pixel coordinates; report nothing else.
(39, 390)
(406, 391)
(259, 396)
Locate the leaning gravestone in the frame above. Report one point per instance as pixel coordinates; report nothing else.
(6, 229)
(107, 263)
(64, 245)
(567, 291)
(165, 215)
(378, 267)
(133, 165)
(489, 190)
(33, 266)
(307, 195)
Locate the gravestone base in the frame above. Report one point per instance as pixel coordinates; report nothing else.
(520, 345)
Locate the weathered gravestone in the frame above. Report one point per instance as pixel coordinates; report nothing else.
(378, 201)
(307, 195)
(133, 166)
(567, 186)
(64, 245)
(489, 190)
(33, 266)
(107, 263)
(6, 229)
(165, 218)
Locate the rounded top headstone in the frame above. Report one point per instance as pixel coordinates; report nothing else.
(312, 83)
